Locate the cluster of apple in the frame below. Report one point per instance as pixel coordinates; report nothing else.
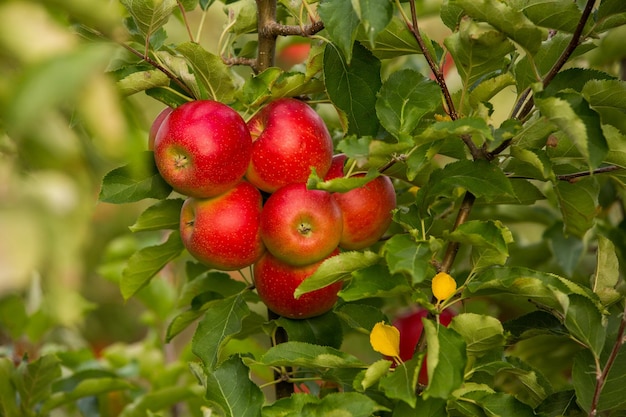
(247, 200)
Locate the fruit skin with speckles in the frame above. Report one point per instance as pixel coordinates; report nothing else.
(276, 282)
(156, 124)
(300, 226)
(366, 212)
(289, 138)
(223, 232)
(203, 148)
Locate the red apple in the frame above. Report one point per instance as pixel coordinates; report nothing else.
(203, 148)
(336, 167)
(366, 212)
(223, 232)
(276, 282)
(410, 326)
(289, 138)
(156, 124)
(300, 226)
(293, 54)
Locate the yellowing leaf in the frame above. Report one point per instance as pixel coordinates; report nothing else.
(443, 286)
(385, 339)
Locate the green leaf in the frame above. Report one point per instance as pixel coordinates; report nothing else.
(489, 234)
(611, 13)
(560, 15)
(572, 114)
(8, 393)
(222, 320)
(372, 374)
(498, 404)
(230, 389)
(210, 70)
(482, 334)
(480, 178)
(82, 388)
(478, 52)
(157, 400)
(401, 383)
(404, 255)
(133, 182)
(447, 357)
(142, 80)
(352, 86)
(405, 97)
(584, 381)
(584, 322)
(431, 407)
(36, 378)
(543, 288)
(374, 15)
(340, 185)
(309, 355)
(393, 41)
(374, 281)
(164, 214)
(150, 15)
(360, 317)
(341, 22)
(13, 316)
(144, 264)
(336, 268)
(578, 204)
(322, 330)
(566, 249)
(471, 126)
(607, 98)
(345, 404)
(606, 275)
(506, 19)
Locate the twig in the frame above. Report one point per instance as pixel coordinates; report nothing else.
(571, 178)
(565, 55)
(184, 14)
(602, 376)
(293, 30)
(283, 388)
(462, 216)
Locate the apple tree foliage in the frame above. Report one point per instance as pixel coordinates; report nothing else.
(502, 124)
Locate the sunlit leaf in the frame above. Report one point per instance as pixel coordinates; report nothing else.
(506, 19)
(164, 214)
(144, 264)
(210, 70)
(336, 268)
(446, 360)
(606, 275)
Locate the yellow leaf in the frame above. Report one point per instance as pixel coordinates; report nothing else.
(443, 286)
(385, 339)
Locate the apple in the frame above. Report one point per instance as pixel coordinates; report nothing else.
(156, 124)
(411, 326)
(336, 166)
(300, 226)
(289, 138)
(276, 282)
(202, 149)
(223, 232)
(292, 54)
(366, 212)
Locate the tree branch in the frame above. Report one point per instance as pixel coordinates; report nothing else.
(571, 178)
(266, 16)
(565, 55)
